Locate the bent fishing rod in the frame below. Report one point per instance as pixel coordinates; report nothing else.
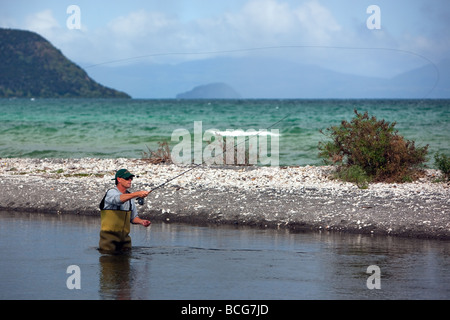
(141, 200)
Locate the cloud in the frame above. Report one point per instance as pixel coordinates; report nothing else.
(137, 33)
(140, 23)
(257, 23)
(318, 22)
(161, 35)
(270, 22)
(263, 17)
(42, 22)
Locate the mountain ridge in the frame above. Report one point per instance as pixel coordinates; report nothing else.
(31, 67)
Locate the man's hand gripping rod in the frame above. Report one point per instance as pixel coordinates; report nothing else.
(141, 200)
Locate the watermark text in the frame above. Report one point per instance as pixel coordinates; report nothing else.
(374, 20)
(74, 20)
(225, 147)
(374, 280)
(74, 280)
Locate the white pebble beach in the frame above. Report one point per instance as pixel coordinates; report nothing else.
(298, 198)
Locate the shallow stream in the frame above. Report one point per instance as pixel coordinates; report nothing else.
(178, 261)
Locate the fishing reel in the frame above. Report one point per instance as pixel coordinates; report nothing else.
(140, 201)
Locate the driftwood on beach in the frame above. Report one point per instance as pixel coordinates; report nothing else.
(297, 198)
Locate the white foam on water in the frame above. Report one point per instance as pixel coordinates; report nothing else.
(242, 133)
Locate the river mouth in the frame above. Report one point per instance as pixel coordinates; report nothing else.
(179, 261)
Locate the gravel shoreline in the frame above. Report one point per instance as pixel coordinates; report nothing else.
(297, 198)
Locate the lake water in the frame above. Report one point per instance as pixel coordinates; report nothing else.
(178, 261)
(78, 128)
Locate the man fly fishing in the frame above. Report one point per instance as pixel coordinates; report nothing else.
(117, 211)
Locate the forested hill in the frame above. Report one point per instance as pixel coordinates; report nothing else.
(31, 67)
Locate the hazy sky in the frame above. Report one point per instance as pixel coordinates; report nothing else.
(329, 33)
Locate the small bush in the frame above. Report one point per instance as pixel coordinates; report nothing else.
(354, 174)
(161, 155)
(443, 164)
(239, 158)
(374, 147)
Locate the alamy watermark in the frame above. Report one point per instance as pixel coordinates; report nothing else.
(74, 20)
(374, 280)
(74, 280)
(225, 147)
(374, 21)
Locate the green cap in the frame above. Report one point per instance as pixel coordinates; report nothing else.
(123, 173)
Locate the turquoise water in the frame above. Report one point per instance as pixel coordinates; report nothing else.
(75, 128)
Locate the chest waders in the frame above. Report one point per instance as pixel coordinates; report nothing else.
(115, 229)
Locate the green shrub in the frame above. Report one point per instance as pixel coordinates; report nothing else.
(354, 174)
(375, 147)
(443, 164)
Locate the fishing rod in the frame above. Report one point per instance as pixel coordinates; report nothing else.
(141, 200)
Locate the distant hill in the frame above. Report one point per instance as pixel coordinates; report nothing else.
(210, 91)
(267, 78)
(31, 67)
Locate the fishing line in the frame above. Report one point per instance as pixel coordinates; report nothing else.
(162, 54)
(141, 200)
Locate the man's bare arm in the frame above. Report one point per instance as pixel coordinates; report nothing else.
(138, 194)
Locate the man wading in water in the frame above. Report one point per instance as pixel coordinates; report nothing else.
(117, 210)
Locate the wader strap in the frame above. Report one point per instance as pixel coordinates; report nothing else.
(102, 203)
